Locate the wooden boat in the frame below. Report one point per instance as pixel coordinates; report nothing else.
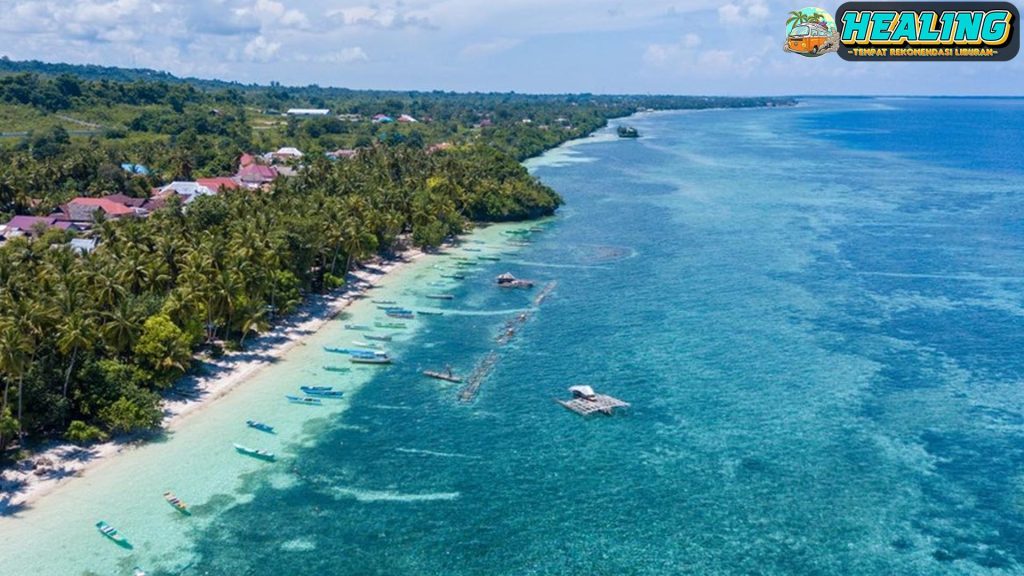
(361, 344)
(491, 258)
(336, 350)
(466, 264)
(260, 426)
(112, 533)
(390, 325)
(440, 296)
(427, 313)
(176, 502)
(521, 232)
(337, 368)
(446, 376)
(378, 337)
(472, 249)
(356, 327)
(322, 393)
(302, 400)
(387, 309)
(370, 359)
(402, 315)
(383, 301)
(260, 454)
(318, 388)
(453, 276)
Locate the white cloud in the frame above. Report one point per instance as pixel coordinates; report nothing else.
(345, 56)
(273, 14)
(259, 49)
(665, 54)
(746, 12)
(393, 17)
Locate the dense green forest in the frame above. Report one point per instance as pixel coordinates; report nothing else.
(89, 341)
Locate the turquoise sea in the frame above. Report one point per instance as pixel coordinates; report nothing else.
(816, 312)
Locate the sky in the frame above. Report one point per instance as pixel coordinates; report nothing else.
(538, 46)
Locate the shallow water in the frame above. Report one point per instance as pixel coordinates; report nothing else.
(816, 313)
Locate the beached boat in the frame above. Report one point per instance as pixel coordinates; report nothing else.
(390, 325)
(304, 400)
(378, 337)
(337, 368)
(356, 359)
(402, 315)
(446, 375)
(176, 502)
(318, 392)
(112, 533)
(260, 454)
(361, 344)
(453, 276)
(333, 350)
(383, 301)
(440, 296)
(472, 249)
(356, 327)
(260, 426)
(428, 313)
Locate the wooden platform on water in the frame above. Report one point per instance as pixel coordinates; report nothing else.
(599, 403)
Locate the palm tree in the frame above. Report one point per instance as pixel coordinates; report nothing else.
(74, 334)
(796, 18)
(15, 351)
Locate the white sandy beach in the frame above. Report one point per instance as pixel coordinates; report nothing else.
(52, 467)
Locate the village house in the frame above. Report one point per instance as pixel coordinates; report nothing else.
(341, 154)
(83, 211)
(32, 226)
(382, 119)
(308, 112)
(406, 119)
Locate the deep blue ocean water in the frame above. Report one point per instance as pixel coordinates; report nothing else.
(817, 314)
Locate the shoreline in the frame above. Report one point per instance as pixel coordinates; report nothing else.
(52, 467)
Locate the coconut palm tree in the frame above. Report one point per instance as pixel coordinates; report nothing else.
(796, 18)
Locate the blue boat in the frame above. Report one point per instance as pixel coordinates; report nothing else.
(301, 400)
(260, 426)
(428, 313)
(337, 369)
(383, 301)
(356, 327)
(323, 393)
(317, 388)
(402, 315)
(378, 337)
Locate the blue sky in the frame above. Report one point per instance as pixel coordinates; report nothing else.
(601, 46)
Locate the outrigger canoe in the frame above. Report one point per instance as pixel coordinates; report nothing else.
(260, 426)
(426, 313)
(446, 376)
(378, 337)
(337, 368)
(356, 327)
(370, 359)
(301, 400)
(312, 391)
(440, 296)
(112, 533)
(176, 503)
(390, 325)
(260, 454)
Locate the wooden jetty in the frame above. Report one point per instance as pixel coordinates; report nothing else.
(544, 293)
(469, 391)
(586, 402)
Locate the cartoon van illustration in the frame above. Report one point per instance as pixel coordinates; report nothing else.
(809, 38)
